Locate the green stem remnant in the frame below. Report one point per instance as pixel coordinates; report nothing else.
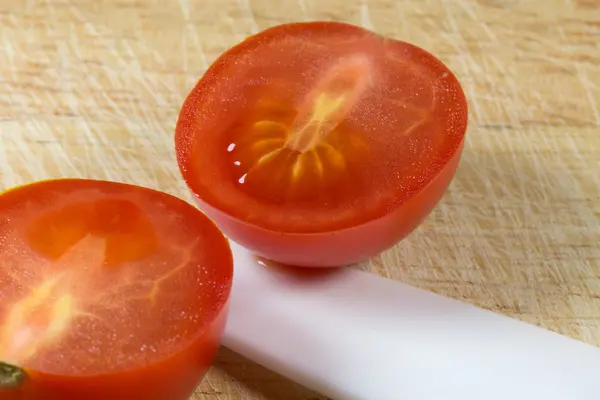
(10, 376)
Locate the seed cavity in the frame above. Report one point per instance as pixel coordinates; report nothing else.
(306, 150)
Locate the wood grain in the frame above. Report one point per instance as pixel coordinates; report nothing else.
(92, 89)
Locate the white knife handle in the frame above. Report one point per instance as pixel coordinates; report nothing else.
(352, 335)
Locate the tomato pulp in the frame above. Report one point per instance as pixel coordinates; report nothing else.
(107, 291)
(321, 143)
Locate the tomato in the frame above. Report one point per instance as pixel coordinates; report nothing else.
(107, 291)
(321, 143)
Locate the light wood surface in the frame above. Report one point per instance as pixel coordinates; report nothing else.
(92, 89)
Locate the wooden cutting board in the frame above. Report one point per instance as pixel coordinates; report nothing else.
(92, 89)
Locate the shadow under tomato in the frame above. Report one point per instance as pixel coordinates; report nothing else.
(299, 275)
(260, 380)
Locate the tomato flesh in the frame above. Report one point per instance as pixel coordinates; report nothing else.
(313, 128)
(103, 279)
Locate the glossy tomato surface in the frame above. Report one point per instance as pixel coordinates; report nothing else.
(107, 291)
(321, 143)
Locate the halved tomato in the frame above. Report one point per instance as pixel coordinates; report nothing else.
(321, 143)
(107, 291)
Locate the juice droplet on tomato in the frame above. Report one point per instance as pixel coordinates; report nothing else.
(305, 154)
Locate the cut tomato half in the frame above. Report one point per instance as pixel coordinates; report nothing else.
(107, 290)
(311, 130)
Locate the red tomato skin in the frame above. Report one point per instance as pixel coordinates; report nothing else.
(172, 378)
(342, 247)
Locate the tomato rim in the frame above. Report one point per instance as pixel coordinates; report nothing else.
(23, 373)
(185, 129)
